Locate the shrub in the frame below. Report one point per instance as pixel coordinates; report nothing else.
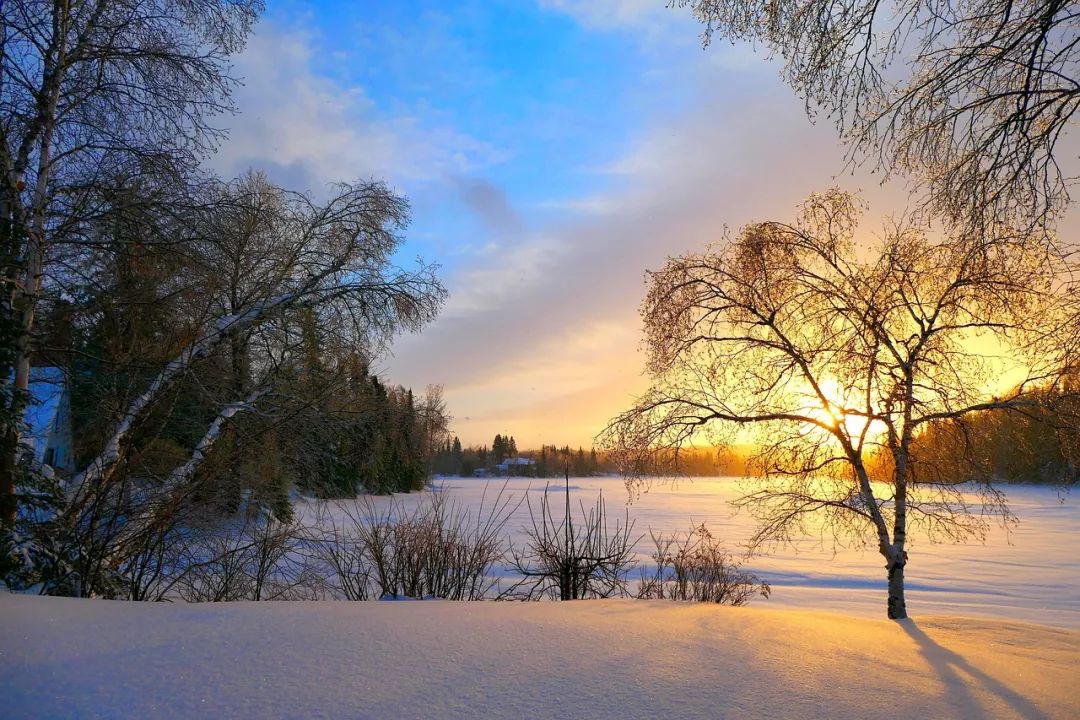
(260, 559)
(564, 560)
(696, 567)
(432, 549)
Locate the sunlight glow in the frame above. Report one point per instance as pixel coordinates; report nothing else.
(838, 408)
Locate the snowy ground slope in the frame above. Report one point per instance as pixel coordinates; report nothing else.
(592, 659)
(1031, 573)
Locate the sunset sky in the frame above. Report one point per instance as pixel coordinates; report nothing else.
(552, 151)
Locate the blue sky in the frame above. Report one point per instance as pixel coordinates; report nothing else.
(553, 151)
(531, 104)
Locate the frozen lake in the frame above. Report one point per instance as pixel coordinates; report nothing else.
(1031, 572)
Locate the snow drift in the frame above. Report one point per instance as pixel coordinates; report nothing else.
(590, 659)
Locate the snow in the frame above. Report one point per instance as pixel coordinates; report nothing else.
(996, 634)
(595, 659)
(1030, 573)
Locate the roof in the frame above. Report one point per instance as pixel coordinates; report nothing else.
(517, 461)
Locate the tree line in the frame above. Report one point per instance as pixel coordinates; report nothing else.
(551, 461)
(1039, 445)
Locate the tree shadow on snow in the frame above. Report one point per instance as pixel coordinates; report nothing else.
(949, 666)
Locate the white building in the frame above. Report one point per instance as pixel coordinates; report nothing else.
(48, 419)
(515, 466)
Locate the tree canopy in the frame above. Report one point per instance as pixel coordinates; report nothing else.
(972, 95)
(825, 354)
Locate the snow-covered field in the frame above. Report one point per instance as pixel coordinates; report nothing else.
(65, 658)
(1030, 573)
(996, 634)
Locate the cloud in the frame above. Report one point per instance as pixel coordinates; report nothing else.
(306, 129)
(657, 27)
(544, 333)
(490, 204)
(587, 205)
(608, 14)
(503, 275)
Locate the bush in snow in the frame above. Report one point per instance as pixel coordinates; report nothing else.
(435, 549)
(259, 559)
(696, 567)
(432, 549)
(565, 559)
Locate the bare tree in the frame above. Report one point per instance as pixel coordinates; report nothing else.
(696, 567)
(972, 99)
(344, 249)
(88, 89)
(826, 354)
(434, 422)
(568, 560)
(332, 259)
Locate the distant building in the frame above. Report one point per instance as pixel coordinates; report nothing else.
(516, 466)
(48, 419)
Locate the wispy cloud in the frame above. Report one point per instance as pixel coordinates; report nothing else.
(491, 205)
(553, 319)
(609, 14)
(588, 205)
(307, 129)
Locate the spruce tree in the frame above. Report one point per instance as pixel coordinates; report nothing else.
(456, 456)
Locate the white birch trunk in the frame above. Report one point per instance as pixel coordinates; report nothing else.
(185, 472)
(102, 466)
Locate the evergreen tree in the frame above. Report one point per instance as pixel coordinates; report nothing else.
(456, 455)
(580, 468)
(499, 449)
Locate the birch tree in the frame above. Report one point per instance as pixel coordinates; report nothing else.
(331, 260)
(971, 99)
(825, 354)
(91, 88)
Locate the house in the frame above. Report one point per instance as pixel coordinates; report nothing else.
(516, 466)
(48, 419)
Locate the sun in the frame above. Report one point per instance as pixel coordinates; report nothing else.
(837, 410)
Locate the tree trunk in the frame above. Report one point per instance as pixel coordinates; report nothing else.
(897, 604)
(26, 297)
(9, 403)
(9, 444)
(20, 383)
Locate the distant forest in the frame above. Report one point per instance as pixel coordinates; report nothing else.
(1031, 446)
(552, 461)
(1034, 445)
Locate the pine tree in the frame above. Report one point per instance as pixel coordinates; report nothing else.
(579, 463)
(456, 456)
